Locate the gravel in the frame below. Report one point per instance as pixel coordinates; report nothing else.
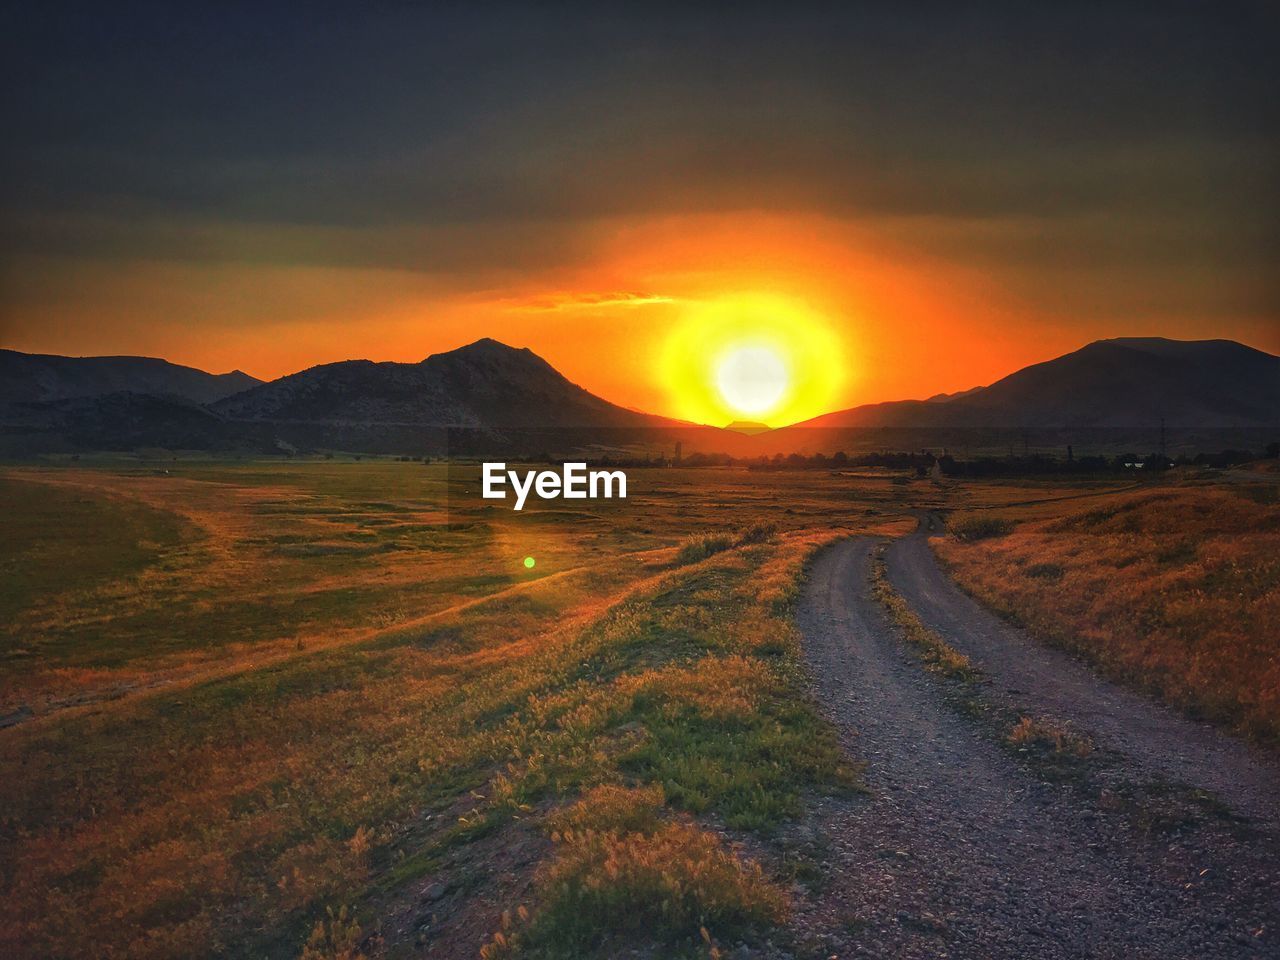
(962, 850)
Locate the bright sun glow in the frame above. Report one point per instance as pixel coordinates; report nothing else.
(752, 357)
(751, 379)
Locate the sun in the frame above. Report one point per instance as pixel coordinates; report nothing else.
(752, 379)
(759, 357)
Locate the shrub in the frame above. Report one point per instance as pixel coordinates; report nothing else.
(698, 548)
(665, 886)
(335, 938)
(757, 533)
(611, 807)
(1048, 735)
(1045, 571)
(701, 546)
(970, 527)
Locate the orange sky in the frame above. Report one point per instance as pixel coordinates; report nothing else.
(908, 324)
(938, 196)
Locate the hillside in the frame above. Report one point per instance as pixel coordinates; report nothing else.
(485, 397)
(43, 378)
(1108, 384)
(485, 384)
(492, 398)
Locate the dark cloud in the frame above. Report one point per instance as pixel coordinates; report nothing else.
(151, 131)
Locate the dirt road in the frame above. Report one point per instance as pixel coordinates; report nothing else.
(1156, 739)
(963, 849)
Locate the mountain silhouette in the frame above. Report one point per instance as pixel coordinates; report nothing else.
(1122, 383)
(483, 385)
(490, 398)
(39, 378)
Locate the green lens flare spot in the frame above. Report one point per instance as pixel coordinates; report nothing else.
(528, 563)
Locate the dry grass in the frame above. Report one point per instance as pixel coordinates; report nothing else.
(365, 691)
(1049, 735)
(934, 652)
(228, 816)
(624, 872)
(969, 527)
(1175, 590)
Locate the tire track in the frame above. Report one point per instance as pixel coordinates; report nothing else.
(961, 851)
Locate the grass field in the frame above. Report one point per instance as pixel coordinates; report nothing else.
(1175, 590)
(325, 709)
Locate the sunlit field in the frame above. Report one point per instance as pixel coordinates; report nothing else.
(322, 709)
(1175, 590)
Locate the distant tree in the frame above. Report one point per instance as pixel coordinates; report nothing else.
(1273, 451)
(840, 457)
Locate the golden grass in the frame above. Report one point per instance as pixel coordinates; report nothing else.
(1042, 734)
(668, 885)
(934, 652)
(1175, 590)
(340, 682)
(227, 816)
(624, 872)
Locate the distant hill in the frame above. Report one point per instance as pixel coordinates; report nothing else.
(483, 385)
(485, 397)
(41, 378)
(1123, 383)
(749, 427)
(494, 399)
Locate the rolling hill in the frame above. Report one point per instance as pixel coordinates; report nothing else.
(42, 378)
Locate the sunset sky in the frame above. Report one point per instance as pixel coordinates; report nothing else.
(928, 196)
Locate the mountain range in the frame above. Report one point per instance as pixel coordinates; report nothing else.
(485, 384)
(36, 377)
(1109, 384)
(489, 397)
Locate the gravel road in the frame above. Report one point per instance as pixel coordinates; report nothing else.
(1158, 740)
(961, 850)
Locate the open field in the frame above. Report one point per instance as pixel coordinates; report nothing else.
(1174, 590)
(323, 708)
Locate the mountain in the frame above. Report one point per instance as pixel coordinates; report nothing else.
(41, 378)
(748, 427)
(1125, 383)
(485, 397)
(494, 399)
(483, 385)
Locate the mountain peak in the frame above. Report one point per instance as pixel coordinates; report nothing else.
(487, 347)
(1125, 382)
